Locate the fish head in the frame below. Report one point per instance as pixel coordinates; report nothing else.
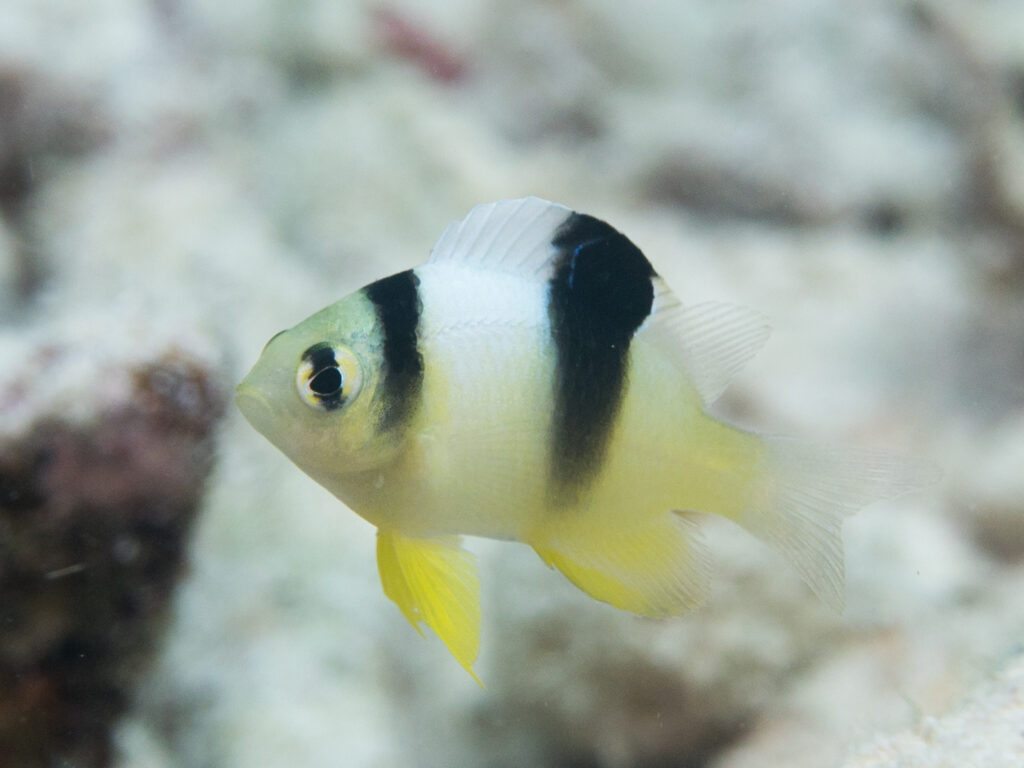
(312, 392)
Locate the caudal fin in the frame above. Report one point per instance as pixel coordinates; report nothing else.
(804, 491)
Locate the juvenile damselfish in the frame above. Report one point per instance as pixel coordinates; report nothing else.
(536, 381)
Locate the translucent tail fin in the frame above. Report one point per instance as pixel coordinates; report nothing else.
(804, 491)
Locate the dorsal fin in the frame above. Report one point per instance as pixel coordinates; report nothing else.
(507, 236)
(712, 340)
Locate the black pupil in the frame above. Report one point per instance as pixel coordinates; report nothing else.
(327, 382)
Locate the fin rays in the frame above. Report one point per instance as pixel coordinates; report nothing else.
(434, 581)
(712, 340)
(657, 569)
(511, 236)
(803, 495)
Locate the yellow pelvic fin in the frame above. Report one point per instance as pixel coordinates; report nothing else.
(654, 568)
(434, 580)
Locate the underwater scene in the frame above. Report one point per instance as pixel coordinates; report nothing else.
(542, 383)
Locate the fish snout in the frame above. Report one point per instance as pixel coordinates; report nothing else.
(254, 406)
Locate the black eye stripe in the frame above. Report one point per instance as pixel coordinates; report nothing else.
(320, 356)
(396, 300)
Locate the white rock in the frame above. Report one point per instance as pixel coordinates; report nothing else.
(983, 731)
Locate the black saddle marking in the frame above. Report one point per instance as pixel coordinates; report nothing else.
(599, 294)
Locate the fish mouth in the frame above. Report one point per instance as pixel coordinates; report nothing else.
(254, 406)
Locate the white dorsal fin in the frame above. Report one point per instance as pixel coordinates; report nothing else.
(714, 340)
(507, 236)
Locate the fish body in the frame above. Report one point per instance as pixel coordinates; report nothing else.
(537, 381)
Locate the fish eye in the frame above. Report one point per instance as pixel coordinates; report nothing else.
(327, 382)
(328, 376)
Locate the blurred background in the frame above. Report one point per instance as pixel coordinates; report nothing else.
(181, 179)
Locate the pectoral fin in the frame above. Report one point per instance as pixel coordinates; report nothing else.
(657, 568)
(434, 581)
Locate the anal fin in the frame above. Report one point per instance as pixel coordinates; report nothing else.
(434, 581)
(656, 568)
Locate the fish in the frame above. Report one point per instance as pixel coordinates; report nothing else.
(537, 381)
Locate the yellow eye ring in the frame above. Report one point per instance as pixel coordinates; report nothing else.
(328, 376)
